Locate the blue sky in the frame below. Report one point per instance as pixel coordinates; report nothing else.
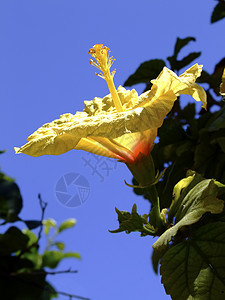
(45, 72)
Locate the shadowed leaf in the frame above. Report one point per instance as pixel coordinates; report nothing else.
(146, 71)
(32, 224)
(156, 257)
(179, 64)
(10, 200)
(218, 12)
(195, 268)
(219, 121)
(12, 240)
(180, 43)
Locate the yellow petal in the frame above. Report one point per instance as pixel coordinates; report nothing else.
(50, 139)
(222, 86)
(125, 148)
(168, 86)
(105, 147)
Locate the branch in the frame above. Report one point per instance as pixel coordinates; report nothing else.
(43, 272)
(71, 296)
(61, 272)
(43, 206)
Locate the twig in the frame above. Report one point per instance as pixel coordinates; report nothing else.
(71, 296)
(61, 272)
(43, 272)
(43, 206)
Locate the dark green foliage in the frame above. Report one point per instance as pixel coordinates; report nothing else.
(10, 200)
(196, 266)
(26, 286)
(213, 81)
(19, 276)
(22, 266)
(12, 240)
(32, 224)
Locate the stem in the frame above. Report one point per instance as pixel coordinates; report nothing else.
(154, 216)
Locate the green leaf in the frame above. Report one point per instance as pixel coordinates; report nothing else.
(180, 191)
(32, 224)
(32, 252)
(221, 142)
(156, 257)
(188, 112)
(34, 257)
(212, 80)
(31, 235)
(129, 222)
(195, 268)
(60, 245)
(179, 64)
(171, 133)
(67, 224)
(204, 153)
(12, 240)
(218, 121)
(173, 174)
(146, 71)
(218, 12)
(48, 224)
(52, 258)
(5, 177)
(10, 200)
(200, 199)
(180, 43)
(26, 287)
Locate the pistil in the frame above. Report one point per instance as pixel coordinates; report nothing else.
(103, 63)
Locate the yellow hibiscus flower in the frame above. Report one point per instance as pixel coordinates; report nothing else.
(122, 124)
